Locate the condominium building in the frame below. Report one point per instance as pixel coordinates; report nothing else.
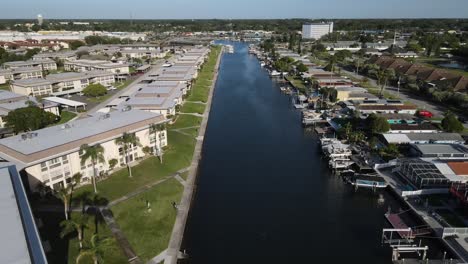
(157, 98)
(44, 64)
(51, 156)
(316, 30)
(97, 65)
(62, 83)
(61, 55)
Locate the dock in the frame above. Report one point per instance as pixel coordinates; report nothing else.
(398, 223)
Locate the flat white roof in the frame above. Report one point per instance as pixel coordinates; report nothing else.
(63, 101)
(14, 247)
(396, 138)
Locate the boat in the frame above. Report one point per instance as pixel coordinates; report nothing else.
(262, 64)
(301, 106)
(275, 73)
(311, 117)
(338, 163)
(367, 181)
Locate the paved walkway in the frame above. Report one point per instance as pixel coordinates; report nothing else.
(192, 114)
(195, 102)
(180, 179)
(120, 237)
(184, 205)
(159, 258)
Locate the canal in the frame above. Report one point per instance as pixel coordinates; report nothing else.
(264, 194)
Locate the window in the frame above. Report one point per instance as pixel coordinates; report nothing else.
(54, 161)
(44, 166)
(64, 159)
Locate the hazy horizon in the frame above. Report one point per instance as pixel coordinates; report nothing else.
(240, 9)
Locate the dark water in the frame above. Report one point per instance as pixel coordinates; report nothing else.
(264, 193)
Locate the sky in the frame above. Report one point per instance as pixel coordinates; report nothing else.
(233, 9)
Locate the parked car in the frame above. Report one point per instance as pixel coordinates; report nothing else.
(112, 88)
(425, 114)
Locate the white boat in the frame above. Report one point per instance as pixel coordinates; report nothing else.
(262, 64)
(301, 106)
(275, 73)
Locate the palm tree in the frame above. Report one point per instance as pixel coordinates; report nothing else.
(154, 129)
(64, 195)
(77, 224)
(95, 153)
(127, 141)
(96, 249)
(382, 77)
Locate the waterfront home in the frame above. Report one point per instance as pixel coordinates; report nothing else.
(421, 174)
(353, 93)
(425, 127)
(393, 118)
(440, 151)
(51, 156)
(422, 138)
(377, 109)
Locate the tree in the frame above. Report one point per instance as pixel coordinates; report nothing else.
(127, 140)
(29, 118)
(341, 55)
(301, 67)
(113, 163)
(75, 44)
(81, 53)
(95, 90)
(451, 124)
(155, 129)
(377, 124)
(64, 195)
(76, 224)
(96, 249)
(95, 154)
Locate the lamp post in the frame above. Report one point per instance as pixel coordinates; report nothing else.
(398, 91)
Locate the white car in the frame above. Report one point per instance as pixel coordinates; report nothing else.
(112, 88)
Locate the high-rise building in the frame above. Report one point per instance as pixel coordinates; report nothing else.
(316, 30)
(40, 20)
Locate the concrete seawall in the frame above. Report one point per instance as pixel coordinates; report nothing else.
(187, 196)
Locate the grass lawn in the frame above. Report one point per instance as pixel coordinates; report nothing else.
(184, 121)
(123, 84)
(5, 87)
(177, 156)
(297, 82)
(66, 116)
(189, 107)
(202, 85)
(149, 232)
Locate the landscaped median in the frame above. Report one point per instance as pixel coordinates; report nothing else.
(146, 218)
